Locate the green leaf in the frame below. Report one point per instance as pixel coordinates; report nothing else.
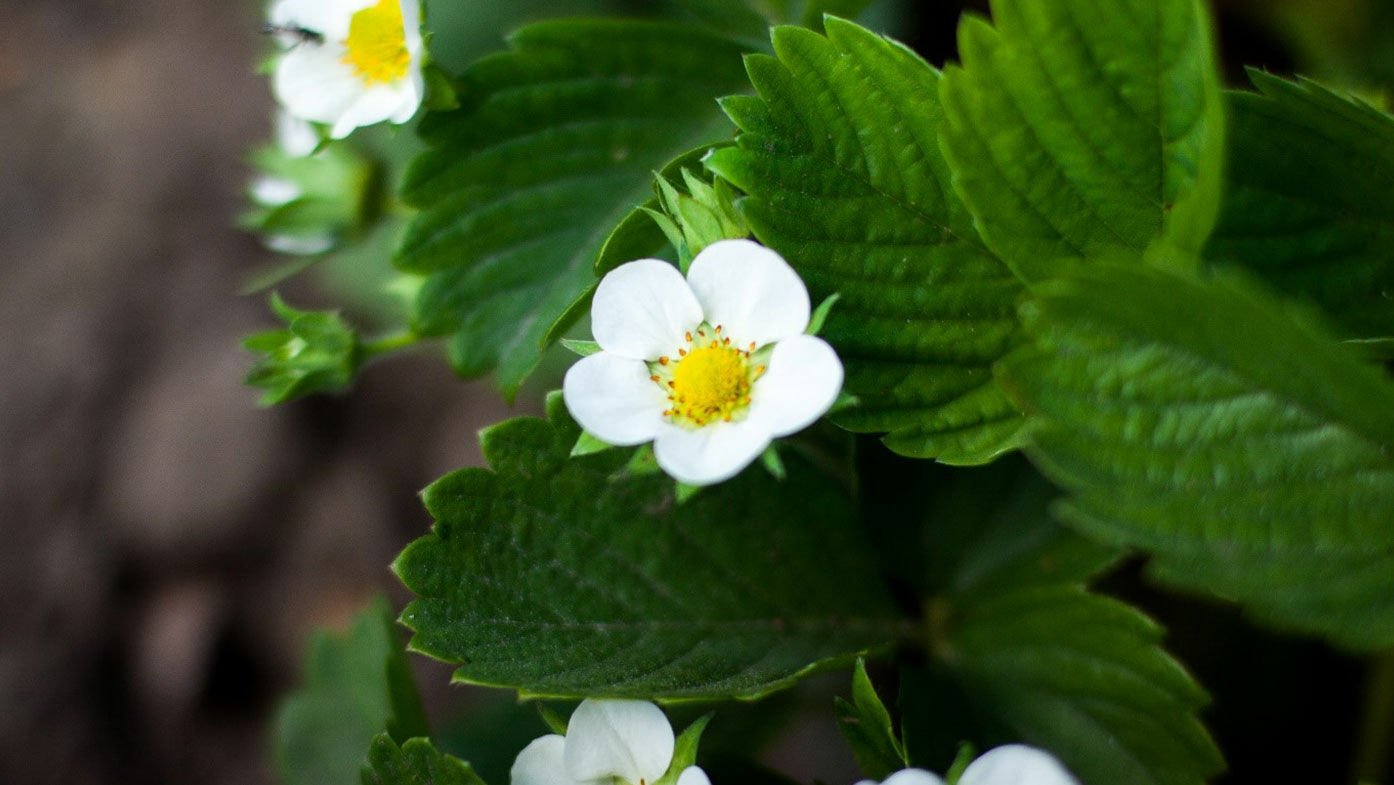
(866, 724)
(556, 141)
(1083, 676)
(736, 17)
(815, 10)
(1309, 200)
(1038, 657)
(414, 763)
(1228, 433)
(840, 158)
(356, 686)
(1078, 128)
(1349, 599)
(546, 575)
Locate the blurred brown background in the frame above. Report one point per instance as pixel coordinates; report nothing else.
(166, 545)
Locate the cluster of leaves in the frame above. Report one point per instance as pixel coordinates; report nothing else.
(1074, 243)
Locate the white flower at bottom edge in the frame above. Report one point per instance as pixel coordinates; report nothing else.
(359, 65)
(710, 369)
(1012, 764)
(606, 740)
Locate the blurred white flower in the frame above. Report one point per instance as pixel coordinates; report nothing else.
(607, 742)
(294, 136)
(1013, 764)
(349, 63)
(710, 369)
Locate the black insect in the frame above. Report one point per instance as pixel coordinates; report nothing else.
(301, 35)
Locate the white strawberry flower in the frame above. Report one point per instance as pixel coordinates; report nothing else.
(349, 63)
(607, 742)
(710, 369)
(1012, 764)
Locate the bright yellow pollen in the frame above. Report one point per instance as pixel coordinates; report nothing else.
(711, 382)
(377, 43)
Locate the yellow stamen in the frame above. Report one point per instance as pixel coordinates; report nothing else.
(711, 382)
(376, 46)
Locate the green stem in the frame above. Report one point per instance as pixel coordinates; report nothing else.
(1372, 752)
(389, 343)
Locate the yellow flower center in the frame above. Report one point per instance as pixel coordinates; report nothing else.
(710, 381)
(376, 47)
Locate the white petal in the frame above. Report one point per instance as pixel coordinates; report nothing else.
(613, 398)
(294, 136)
(411, 25)
(750, 291)
(542, 763)
(693, 776)
(913, 777)
(271, 191)
(801, 383)
(376, 104)
(710, 454)
(313, 83)
(1016, 764)
(329, 18)
(412, 92)
(642, 309)
(300, 245)
(631, 740)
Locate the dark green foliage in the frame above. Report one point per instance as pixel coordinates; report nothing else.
(1231, 435)
(556, 140)
(356, 686)
(1309, 200)
(1078, 128)
(415, 762)
(840, 157)
(1038, 657)
(547, 575)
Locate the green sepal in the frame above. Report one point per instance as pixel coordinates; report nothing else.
(685, 750)
(316, 352)
(966, 753)
(773, 463)
(586, 444)
(580, 347)
(674, 235)
(866, 725)
(551, 718)
(820, 314)
(705, 214)
(683, 492)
